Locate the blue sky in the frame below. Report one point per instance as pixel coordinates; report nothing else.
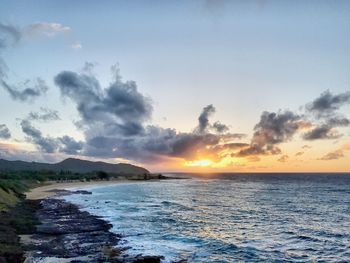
(244, 57)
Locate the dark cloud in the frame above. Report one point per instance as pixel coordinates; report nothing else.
(4, 132)
(69, 145)
(45, 114)
(327, 104)
(65, 144)
(46, 144)
(273, 129)
(204, 125)
(156, 143)
(325, 111)
(255, 149)
(203, 118)
(220, 127)
(322, 132)
(276, 128)
(114, 122)
(299, 153)
(338, 122)
(28, 90)
(118, 108)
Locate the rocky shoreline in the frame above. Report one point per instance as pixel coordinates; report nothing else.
(67, 234)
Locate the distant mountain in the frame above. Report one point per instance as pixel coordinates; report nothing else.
(73, 165)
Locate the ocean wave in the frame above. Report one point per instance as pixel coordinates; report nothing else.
(249, 219)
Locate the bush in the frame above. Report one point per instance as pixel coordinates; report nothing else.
(103, 175)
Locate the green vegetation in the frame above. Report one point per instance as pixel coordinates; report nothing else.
(17, 221)
(13, 184)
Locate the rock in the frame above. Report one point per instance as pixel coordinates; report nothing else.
(148, 259)
(67, 234)
(82, 192)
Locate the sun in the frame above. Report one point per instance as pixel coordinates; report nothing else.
(199, 163)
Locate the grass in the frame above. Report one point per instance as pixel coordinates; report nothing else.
(18, 220)
(17, 215)
(7, 199)
(13, 184)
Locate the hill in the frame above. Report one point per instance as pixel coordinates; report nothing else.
(72, 165)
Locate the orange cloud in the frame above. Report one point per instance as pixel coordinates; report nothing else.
(337, 154)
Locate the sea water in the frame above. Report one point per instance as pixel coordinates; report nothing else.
(230, 217)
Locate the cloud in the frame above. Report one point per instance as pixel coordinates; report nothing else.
(272, 129)
(332, 156)
(220, 127)
(204, 125)
(115, 123)
(45, 114)
(325, 110)
(46, 144)
(119, 108)
(46, 29)
(338, 122)
(326, 130)
(327, 103)
(9, 36)
(69, 145)
(15, 151)
(4, 132)
(232, 146)
(203, 118)
(76, 45)
(322, 132)
(337, 154)
(28, 90)
(65, 144)
(305, 146)
(299, 153)
(276, 128)
(283, 158)
(157, 143)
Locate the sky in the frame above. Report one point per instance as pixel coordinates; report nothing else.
(191, 86)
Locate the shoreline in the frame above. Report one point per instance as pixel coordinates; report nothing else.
(66, 234)
(50, 189)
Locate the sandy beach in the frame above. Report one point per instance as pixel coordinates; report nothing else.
(47, 190)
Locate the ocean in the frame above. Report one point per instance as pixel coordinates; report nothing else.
(230, 217)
